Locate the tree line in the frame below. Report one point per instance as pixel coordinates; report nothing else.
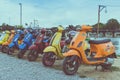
(112, 24)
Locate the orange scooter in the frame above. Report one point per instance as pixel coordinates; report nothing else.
(102, 52)
(5, 44)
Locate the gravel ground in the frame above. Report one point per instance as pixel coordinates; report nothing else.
(12, 68)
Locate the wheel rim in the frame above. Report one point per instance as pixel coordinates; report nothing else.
(5, 49)
(49, 58)
(71, 66)
(32, 56)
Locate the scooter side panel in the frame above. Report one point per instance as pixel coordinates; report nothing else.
(50, 49)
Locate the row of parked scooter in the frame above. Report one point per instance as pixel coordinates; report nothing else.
(73, 50)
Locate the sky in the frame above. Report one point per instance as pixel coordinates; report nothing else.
(51, 13)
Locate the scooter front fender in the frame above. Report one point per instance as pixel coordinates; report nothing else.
(50, 49)
(71, 53)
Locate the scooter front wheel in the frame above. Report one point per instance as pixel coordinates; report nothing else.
(70, 65)
(32, 55)
(5, 48)
(10, 51)
(48, 59)
(21, 53)
(0, 47)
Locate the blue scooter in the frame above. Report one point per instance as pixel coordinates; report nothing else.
(27, 41)
(15, 42)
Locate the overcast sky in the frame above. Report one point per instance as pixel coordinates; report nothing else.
(51, 13)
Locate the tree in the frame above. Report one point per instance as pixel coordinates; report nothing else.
(101, 26)
(112, 24)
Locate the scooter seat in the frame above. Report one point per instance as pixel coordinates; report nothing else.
(99, 41)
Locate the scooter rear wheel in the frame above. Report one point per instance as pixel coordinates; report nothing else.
(48, 59)
(70, 65)
(32, 55)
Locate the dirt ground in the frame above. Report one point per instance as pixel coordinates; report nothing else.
(89, 71)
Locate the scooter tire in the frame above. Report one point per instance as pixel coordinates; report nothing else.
(32, 55)
(10, 51)
(68, 64)
(5, 48)
(0, 47)
(21, 54)
(48, 59)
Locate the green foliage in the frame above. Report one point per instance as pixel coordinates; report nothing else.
(19, 27)
(101, 25)
(112, 24)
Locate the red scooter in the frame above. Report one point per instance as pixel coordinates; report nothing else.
(40, 43)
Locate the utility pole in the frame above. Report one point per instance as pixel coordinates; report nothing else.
(100, 8)
(20, 13)
(35, 23)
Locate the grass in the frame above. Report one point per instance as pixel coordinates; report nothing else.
(118, 55)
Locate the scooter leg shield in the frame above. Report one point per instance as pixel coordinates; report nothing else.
(50, 49)
(71, 53)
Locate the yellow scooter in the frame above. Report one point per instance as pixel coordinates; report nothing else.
(53, 51)
(5, 44)
(4, 38)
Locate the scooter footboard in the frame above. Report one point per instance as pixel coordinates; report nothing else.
(71, 53)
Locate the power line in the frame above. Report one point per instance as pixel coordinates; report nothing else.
(112, 5)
